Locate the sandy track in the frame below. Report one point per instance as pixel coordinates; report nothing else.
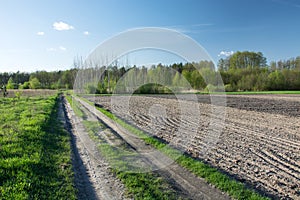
(259, 144)
(93, 178)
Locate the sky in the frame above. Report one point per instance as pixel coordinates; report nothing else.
(50, 34)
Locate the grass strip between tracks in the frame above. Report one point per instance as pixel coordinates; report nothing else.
(222, 181)
(147, 185)
(35, 150)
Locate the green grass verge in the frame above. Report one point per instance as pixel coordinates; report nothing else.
(232, 187)
(35, 152)
(75, 106)
(147, 185)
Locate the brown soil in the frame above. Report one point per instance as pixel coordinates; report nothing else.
(30, 93)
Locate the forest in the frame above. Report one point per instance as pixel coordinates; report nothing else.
(242, 71)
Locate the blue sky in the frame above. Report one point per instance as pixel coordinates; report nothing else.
(48, 35)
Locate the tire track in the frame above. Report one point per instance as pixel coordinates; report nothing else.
(288, 164)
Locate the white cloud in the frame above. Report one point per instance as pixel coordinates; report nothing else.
(61, 26)
(86, 33)
(40, 33)
(62, 48)
(226, 53)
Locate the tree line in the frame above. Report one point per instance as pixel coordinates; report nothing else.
(242, 71)
(248, 71)
(158, 78)
(39, 79)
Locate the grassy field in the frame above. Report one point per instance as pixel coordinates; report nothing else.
(35, 153)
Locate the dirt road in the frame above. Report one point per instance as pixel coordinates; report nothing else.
(93, 178)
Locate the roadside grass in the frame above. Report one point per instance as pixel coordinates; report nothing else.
(235, 189)
(75, 106)
(35, 153)
(139, 185)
